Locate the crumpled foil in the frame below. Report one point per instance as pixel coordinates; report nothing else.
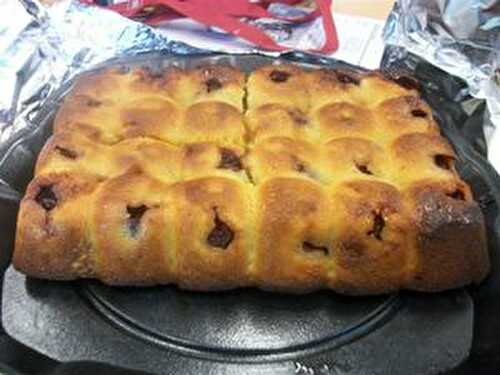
(462, 37)
(41, 47)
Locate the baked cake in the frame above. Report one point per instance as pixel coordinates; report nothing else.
(283, 179)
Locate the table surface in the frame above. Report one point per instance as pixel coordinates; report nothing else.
(370, 8)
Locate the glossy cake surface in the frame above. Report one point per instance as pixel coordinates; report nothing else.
(283, 179)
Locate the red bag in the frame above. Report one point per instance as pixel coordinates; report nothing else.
(226, 15)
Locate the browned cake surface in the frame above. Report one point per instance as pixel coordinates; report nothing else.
(285, 179)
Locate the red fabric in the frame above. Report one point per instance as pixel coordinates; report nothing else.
(227, 14)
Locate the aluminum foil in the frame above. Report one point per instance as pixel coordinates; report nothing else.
(43, 46)
(462, 37)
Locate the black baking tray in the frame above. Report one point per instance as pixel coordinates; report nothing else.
(85, 326)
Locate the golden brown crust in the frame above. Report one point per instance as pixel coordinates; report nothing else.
(282, 156)
(209, 231)
(450, 238)
(371, 247)
(293, 223)
(278, 120)
(278, 84)
(129, 227)
(338, 120)
(52, 240)
(325, 179)
(347, 158)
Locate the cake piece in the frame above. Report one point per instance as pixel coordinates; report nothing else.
(285, 179)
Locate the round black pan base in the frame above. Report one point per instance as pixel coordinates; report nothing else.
(408, 334)
(167, 331)
(245, 325)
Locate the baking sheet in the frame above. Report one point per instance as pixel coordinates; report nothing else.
(76, 321)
